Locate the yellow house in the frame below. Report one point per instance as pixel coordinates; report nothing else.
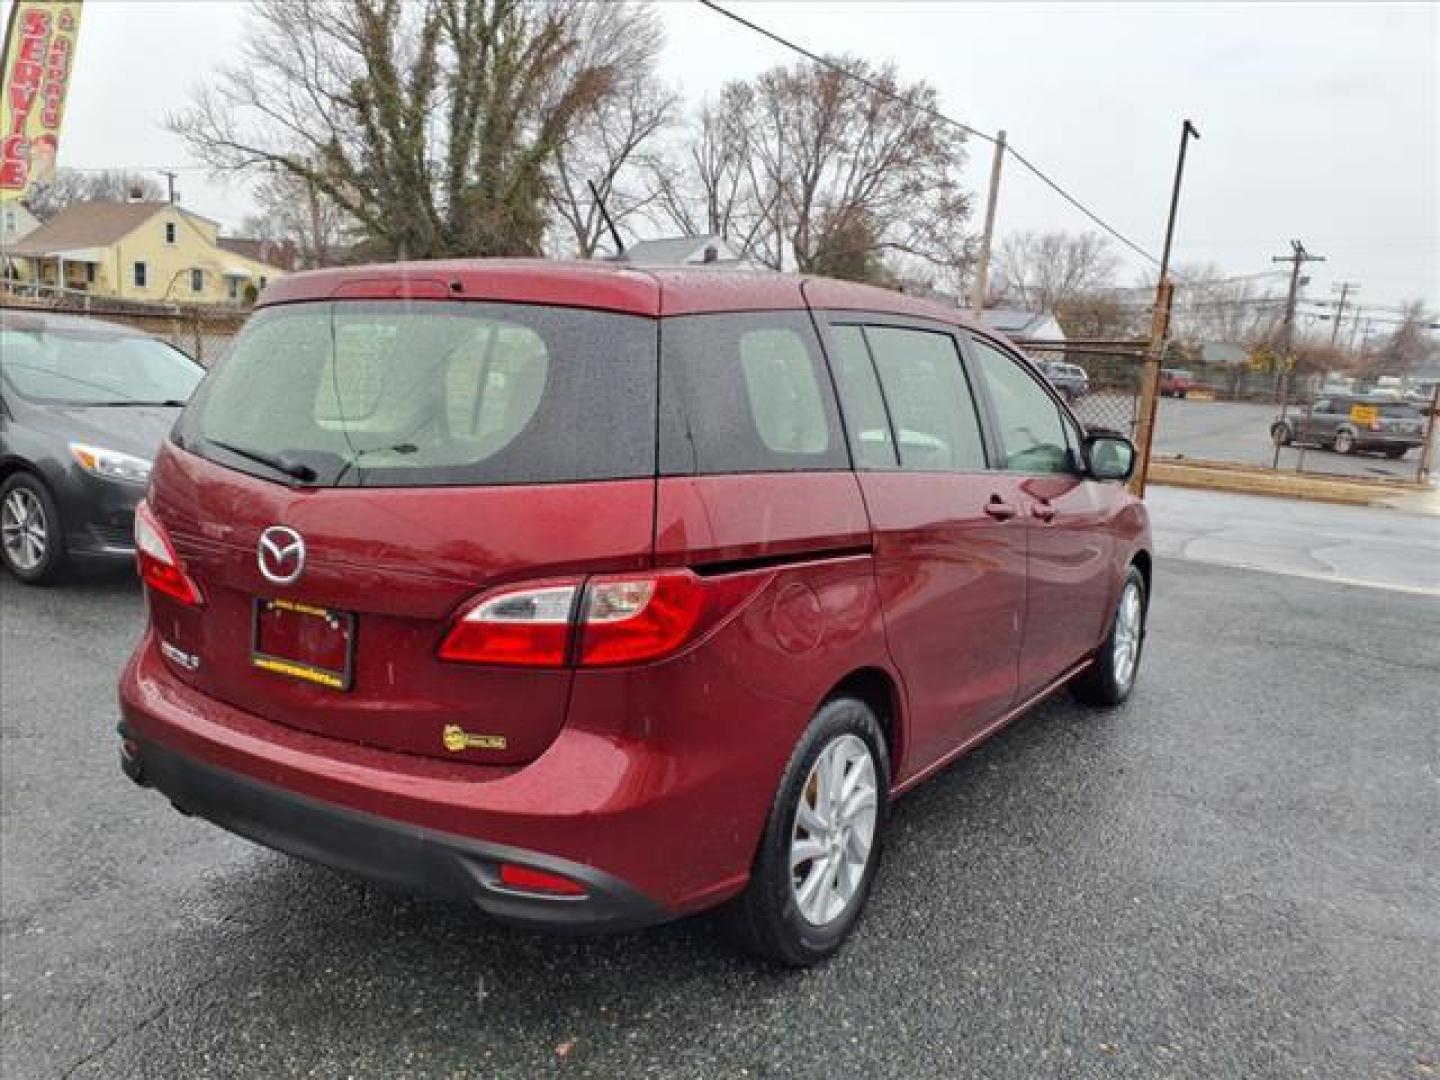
(149, 251)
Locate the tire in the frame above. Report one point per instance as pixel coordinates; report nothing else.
(32, 539)
(769, 918)
(1281, 434)
(1396, 453)
(1181, 394)
(1109, 680)
(1344, 442)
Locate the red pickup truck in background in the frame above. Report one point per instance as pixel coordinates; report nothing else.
(1176, 382)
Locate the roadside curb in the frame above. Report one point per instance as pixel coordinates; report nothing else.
(1248, 480)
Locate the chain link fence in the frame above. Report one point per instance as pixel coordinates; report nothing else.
(203, 333)
(1100, 379)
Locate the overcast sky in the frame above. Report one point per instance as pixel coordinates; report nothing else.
(1319, 121)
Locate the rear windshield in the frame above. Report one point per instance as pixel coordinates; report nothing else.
(403, 393)
(94, 367)
(1398, 411)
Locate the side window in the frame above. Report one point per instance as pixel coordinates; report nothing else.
(745, 393)
(866, 422)
(933, 413)
(1032, 431)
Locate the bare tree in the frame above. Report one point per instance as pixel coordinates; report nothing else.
(613, 143)
(71, 186)
(1041, 272)
(431, 124)
(292, 208)
(1409, 345)
(826, 171)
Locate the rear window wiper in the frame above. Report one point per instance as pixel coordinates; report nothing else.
(297, 469)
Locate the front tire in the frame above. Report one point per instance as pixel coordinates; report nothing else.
(821, 845)
(1109, 680)
(32, 541)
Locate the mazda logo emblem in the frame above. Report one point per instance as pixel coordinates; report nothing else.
(281, 555)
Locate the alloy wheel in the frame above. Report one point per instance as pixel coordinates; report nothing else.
(1129, 624)
(834, 830)
(24, 531)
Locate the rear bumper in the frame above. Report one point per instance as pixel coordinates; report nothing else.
(1374, 440)
(396, 854)
(652, 832)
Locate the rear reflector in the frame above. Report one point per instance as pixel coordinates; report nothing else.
(160, 568)
(528, 879)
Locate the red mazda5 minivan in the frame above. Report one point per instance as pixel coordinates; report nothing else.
(596, 596)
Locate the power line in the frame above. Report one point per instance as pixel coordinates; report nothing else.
(936, 114)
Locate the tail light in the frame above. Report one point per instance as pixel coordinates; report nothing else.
(602, 622)
(1375, 425)
(160, 568)
(527, 627)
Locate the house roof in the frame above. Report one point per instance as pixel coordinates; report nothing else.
(87, 225)
(280, 254)
(677, 251)
(1018, 323)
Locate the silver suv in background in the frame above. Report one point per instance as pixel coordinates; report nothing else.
(1348, 424)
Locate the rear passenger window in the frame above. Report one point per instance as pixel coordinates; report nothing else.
(745, 393)
(931, 408)
(860, 400)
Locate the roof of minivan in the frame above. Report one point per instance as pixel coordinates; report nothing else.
(600, 285)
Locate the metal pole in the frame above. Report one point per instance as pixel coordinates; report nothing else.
(1159, 327)
(982, 268)
(1345, 287)
(1427, 449)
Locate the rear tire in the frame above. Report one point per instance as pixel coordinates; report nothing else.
(1109, 680)
(32, 538)
(769, 919)
(1396, 453)
(1344, 442)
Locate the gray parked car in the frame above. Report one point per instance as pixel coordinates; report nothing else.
(84, 405)
(1348, 424)
(1070, 379)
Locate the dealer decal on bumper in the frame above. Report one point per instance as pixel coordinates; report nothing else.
(457, 738)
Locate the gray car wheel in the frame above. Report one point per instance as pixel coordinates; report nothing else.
(32, 542)
(1344, 442)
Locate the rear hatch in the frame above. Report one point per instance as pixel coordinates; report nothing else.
(1400, 419)
(422, 453)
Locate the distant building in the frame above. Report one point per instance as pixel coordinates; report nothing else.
(1224, 353)
(683, 251)
(148, 251)
(1015, 323)
(16, 223)
(284, 254)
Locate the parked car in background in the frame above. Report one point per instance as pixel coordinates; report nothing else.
(1349, 424)
(1176, 382)
(84, 405)
(510, 594)
(1071, 380)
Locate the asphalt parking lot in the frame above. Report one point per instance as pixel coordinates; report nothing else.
(1235, 875)
(1239, 432)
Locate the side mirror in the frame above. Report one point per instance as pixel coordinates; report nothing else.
(1109, 457)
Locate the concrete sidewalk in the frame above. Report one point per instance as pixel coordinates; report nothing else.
(1372, 546)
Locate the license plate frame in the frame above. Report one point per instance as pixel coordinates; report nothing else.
(299, 668)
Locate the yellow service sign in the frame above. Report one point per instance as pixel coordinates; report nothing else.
(39, 56)
(1364, 414)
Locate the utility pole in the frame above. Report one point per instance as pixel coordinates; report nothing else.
(982, 269)
(170, 182)
(1297, 258)
(1346, 288)
(1159, 327)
